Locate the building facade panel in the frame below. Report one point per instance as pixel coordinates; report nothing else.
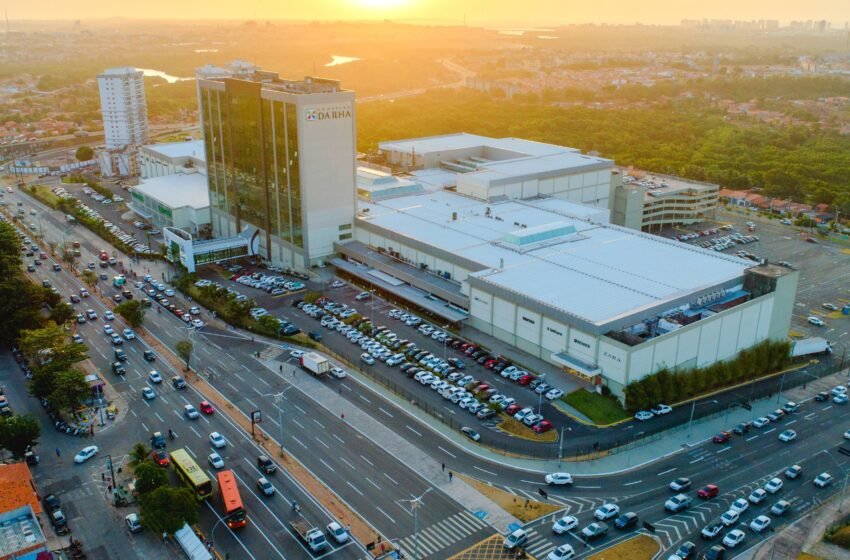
(554, 335)
(709, 340)
(666, 352)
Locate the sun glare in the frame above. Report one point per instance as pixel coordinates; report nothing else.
(380, 4)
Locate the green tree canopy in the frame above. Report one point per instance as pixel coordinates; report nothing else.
(132, 311)
(84, 153)
(139, 453)
(19, 432)
(166, 509)
(70, 390)
(149, 477)
(184, 350)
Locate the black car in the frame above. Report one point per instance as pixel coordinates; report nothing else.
(51, 503)
(178, 382)
(30, 268)
(823, 396)
(315, 336)
(266, 465)
(626, 521)
(716, 552)
(57, 267)
(742, 428)
(118, 368)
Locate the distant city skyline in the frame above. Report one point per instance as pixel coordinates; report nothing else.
(476, 12)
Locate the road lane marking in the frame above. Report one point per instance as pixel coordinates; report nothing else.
(252, 403)
(696, 460)
(589, 487)
(319, 423)
(301, 410)
(261, 380)
(722, 450)
(297, 423)
(770, 430)
(330, 468)
(789, 423)
(391, 479)
(301, 443)
(412, 430)
(365, 399)
(668, 471)
(385, 412)
(323, 443)
(485, 471)
(239, 377)
(339, 439)
(752, 438)
(452, 455)
(163, 399)
(632, 483)
(368, 461)
(192, 453)
(807, 416)
(145, 427)
(387, 516)
(354, 488)
(344, 460)
(827, 407)
(372, 483)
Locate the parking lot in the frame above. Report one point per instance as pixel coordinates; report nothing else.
(824, 270)
(444, 379)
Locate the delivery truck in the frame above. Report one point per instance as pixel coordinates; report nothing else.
(315, 364)
(810, 346)
(314, 538)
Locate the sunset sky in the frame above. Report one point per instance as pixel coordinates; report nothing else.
(538, 12)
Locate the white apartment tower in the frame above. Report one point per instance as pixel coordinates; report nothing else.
(125, 119)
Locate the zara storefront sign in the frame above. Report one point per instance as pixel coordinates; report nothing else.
(328, 112)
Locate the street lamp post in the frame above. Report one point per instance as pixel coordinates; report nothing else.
(278, 401)
(445, 334)
(781, 385)
(415, 504)
(540, 395)
(372, 303)
(693, 408)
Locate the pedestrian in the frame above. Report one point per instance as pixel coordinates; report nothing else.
(450, 476)
(342, 416)
(281, 368)
(58, 453)
(444, 467)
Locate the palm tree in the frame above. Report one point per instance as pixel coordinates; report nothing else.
(139, 453)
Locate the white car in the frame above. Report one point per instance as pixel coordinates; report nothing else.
(296, 354)
(336, 531)
(338, 372)
(607, 511)
(730, 517)
(788, 435)
(733, 538)
(109, 316)
(215, 460)
(197, 323)
(816, 321)
(107, 329)
(643, 415)
(217, 440)
(367, 359)
(564, 524)
(195, 310)
(773, 485)
(760, 523)
(190, 411)
(839, 390)
(86, 454)
(563, 552)
(148, 394)
(761, 422)
(559, 479)
(155, 377)
(740, 505)
(554, 394)
(129, 334)
(823, 480)
(661, 409)
(757, 496)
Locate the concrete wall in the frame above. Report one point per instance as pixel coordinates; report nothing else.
(591, 188)
(627, 208)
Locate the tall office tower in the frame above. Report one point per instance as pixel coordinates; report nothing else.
(280, 161)
(125, 119)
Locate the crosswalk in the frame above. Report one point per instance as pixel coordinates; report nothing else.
(441, 535)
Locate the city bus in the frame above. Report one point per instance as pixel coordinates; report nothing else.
(191, 474)
(234, 512)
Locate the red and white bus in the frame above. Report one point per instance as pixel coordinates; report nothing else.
(234, 511)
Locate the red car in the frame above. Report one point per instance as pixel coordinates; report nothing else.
(722, 437)
(160, 457)
(465, 346)
(206, 407)
(482, 387)
(489, 364)
(542, 426)
(526, 379)
(178, 312)
(708, 492)
(513, 409)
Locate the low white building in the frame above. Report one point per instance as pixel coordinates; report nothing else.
(158, 160)
(181, 200)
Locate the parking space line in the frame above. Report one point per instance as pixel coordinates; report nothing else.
(789, 423)
(368, 461)
(391, 479)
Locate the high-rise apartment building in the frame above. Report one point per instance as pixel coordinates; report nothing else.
(280, 160)
(125, 119)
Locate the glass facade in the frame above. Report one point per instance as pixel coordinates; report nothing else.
(251, 145)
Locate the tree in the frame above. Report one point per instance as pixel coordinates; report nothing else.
(84, 153)
(69, 258)
(167, 509)
(61, 313)
(132, 311)
(184, 350)
(139, 453)
(17, 433)
(49, 352)
(268, 325)
(89, 277)
(70, 390)
(149, 477)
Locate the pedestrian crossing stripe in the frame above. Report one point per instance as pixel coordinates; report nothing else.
(441, 535)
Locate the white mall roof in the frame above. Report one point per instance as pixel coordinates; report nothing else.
(462, 140)
(174, 150)
(600, 273)
(178, 190)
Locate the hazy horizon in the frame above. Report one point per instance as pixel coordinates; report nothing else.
(475, 12)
